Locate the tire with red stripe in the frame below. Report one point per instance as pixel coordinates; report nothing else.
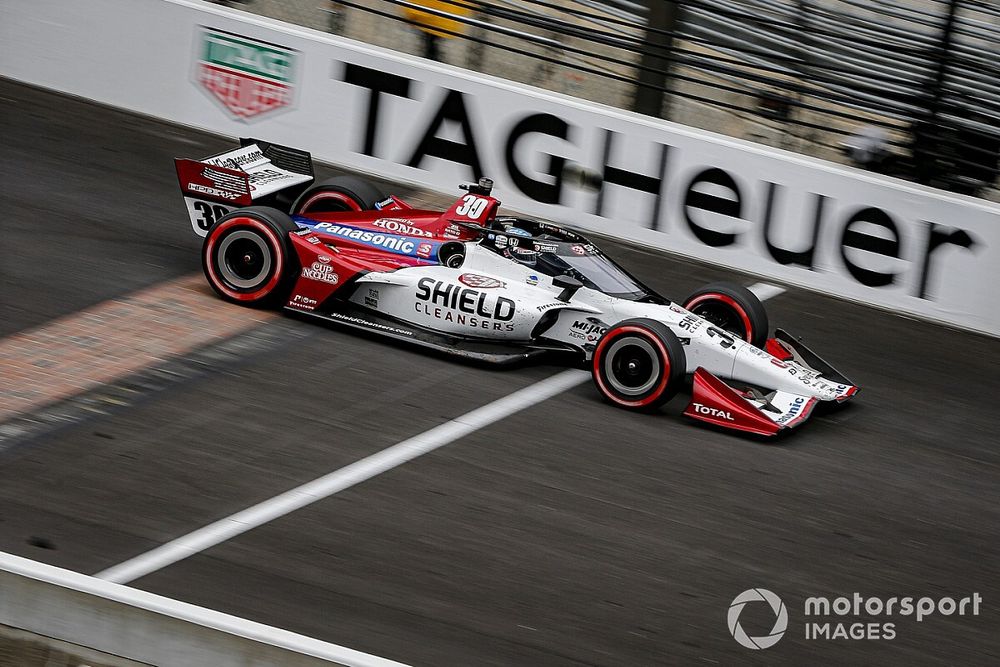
(337, 194)
(732, 308)
(639, 364)
(248, 258)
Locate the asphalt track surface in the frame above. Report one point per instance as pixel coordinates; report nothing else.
(570, 533)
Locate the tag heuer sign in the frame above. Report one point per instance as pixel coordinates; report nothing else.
(248, 77)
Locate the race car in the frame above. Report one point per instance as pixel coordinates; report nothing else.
(473, 283)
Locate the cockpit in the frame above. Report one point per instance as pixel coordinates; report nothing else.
(554, 251)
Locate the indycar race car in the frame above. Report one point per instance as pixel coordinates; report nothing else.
(500, 289)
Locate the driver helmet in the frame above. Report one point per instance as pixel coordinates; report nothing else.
(524, 251)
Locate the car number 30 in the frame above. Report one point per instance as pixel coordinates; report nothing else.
(472, 206)
(209, 213)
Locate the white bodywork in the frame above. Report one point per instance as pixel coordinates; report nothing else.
(442, 299)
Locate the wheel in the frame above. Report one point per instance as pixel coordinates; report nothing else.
(340, 193)
(639, 364)
(248, 258)
(732, 308)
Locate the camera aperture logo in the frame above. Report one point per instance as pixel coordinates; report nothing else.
(854, 617)
(780, 618)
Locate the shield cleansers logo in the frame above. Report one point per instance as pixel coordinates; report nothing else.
(248, 77)
(780, 618)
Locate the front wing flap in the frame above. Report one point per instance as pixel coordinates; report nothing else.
(715, 402)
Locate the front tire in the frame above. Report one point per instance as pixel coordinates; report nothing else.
(638, 364)
(248, 258)
(732, 308)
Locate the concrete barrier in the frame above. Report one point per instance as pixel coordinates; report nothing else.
(77, 615)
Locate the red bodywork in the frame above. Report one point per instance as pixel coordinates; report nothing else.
(329, 261)
(715, 402)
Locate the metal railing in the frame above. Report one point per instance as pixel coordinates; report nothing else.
(905, 87)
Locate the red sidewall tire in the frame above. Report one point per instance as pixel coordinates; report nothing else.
(272, 239)
(647, 337)
(747, 315)
(347, 203)
(337, 194)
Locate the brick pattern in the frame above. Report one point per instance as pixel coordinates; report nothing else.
(114, 339)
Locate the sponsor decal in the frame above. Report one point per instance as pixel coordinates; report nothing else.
(324, 258)
(371, 325)
(578, 249)
(320, 272)
(590, 327)
(546, 247)
(501, 241)
(303, 302)
(215, 192)
(794, 409)
(241, 159)
(400, 226)
(482, 282)
(546, 306)
(453, 231)
(371, 299)
(262, 176)
(677, 309)
(424, 250)
(781, 219)
(248, 77)
(224, 180)
(313, 240)
(715, 412)
(531, 280)
(464, 305)
(392, 242)
(385, 203)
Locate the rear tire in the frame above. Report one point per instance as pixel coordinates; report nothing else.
(639, 364)
(248, 258)
(339, 194)
(732, 308)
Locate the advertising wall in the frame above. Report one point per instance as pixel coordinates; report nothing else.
(761, 210)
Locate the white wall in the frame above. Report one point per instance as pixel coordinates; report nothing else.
(910, 249)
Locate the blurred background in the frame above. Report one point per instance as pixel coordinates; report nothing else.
(908, 88)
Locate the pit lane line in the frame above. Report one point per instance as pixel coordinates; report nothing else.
(355, 473)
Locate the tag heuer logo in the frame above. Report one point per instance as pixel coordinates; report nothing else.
(248, 77)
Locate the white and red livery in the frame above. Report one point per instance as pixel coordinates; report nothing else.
(500, 289)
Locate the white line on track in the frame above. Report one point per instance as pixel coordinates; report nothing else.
(355, 473)
(338, 480)
(765, 291)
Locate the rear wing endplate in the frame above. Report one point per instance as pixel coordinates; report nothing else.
(257, 172)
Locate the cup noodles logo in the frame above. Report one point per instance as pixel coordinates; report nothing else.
(323, 273)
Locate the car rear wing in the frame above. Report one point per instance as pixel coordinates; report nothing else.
(257, 172)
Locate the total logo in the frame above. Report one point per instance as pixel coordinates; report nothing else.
(321, 272)
(714, 412)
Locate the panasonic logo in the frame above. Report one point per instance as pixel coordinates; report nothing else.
(796, 406)
(387, 241)
(714, 412)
